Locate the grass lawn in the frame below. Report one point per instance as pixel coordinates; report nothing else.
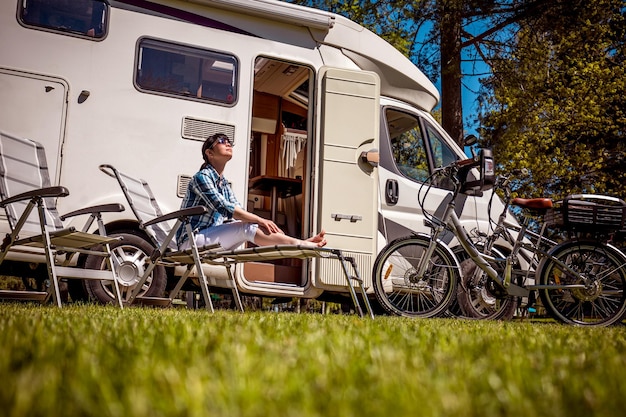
(86, 360)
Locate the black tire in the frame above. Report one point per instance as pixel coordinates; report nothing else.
(77, 290)
(131, 254)
(481, 298)
(400, 292)
(602, 302)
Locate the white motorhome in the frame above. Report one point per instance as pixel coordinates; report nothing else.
(310, 99)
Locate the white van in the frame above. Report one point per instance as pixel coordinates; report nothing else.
(311, 100)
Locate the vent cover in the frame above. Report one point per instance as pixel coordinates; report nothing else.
(331, 273)
(182, 183)
(198, 129)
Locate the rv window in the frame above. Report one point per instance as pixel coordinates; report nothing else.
(86, 18)
(188, 72)
(407, 145)
(442, 153)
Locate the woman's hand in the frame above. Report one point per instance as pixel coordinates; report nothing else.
(268, 226)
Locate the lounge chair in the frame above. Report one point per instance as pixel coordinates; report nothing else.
(151, 219)
(36, 229)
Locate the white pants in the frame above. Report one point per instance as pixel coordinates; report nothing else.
(228, 235)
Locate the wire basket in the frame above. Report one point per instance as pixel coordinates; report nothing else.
(588, 213)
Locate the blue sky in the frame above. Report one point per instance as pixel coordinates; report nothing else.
(470, 86)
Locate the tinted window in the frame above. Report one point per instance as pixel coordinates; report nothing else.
(77, 17)
(185, 71)
(442, 153)
(407, 145)
(415, 151)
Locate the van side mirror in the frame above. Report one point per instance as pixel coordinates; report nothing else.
(470, 140)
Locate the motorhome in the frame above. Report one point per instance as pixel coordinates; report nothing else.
(331, 125)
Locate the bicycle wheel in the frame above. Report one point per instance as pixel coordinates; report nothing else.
(481, 298)
(398, 288)
(602, 300)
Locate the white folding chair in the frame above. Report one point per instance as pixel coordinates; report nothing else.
(36, 229)
(156, 225)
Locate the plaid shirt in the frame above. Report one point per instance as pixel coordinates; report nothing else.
(208, 189)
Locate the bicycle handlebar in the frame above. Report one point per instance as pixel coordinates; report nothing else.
(467, 162)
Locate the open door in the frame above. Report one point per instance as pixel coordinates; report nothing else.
(348, 186)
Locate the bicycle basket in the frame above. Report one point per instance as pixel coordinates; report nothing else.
(588, 213)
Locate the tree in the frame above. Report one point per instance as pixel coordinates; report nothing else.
(438, 35)
(558, 106)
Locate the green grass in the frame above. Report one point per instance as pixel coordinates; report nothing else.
(86, 360)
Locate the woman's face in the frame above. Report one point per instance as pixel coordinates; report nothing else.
(221, 150)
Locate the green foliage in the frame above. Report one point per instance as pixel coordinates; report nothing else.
(558, 106)
(101, 361)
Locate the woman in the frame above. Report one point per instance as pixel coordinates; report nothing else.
(209, 188)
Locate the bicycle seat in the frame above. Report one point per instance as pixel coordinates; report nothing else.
(533, 203)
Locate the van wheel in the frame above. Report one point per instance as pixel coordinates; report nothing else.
(132, 255)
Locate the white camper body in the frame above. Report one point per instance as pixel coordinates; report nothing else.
(304, 94)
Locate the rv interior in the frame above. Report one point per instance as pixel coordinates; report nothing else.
(278, 159)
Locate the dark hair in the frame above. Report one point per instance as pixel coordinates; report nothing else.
(208, 144)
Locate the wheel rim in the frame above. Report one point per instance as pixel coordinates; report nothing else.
(131, 263)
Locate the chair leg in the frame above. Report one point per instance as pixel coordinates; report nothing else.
(205, 289)
(116, 285)
(102, 231)
(180, 283)
(236, 296)
(49, 255)
(204, 286)
(349, 279)
(358, 279)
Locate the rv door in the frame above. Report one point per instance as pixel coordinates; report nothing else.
(33, 106)
(349, 126)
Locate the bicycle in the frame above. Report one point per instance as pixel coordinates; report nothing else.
(580, 280)
(476, 296)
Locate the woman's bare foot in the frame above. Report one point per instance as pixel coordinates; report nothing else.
(316, 241)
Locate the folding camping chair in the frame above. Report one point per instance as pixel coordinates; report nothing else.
(24, 186)
(156, 225)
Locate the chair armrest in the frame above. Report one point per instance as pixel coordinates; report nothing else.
(57, 191)
(103, 208)
(179, 214)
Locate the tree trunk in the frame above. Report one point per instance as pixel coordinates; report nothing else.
(451, 104)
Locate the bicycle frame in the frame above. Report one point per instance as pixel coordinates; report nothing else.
(450, 220)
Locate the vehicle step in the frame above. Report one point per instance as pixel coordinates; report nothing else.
(153, 301)
(23, 295)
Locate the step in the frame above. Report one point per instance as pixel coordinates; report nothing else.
(23, 295)
(153, 301)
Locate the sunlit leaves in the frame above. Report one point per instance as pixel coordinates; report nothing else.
(558, 106)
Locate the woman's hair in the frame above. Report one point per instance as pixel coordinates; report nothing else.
(208, 144)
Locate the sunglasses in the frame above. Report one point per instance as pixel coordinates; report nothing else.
(224, 140)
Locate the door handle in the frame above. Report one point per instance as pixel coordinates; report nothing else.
(352, 217)
(370, 157)
(391, 192)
